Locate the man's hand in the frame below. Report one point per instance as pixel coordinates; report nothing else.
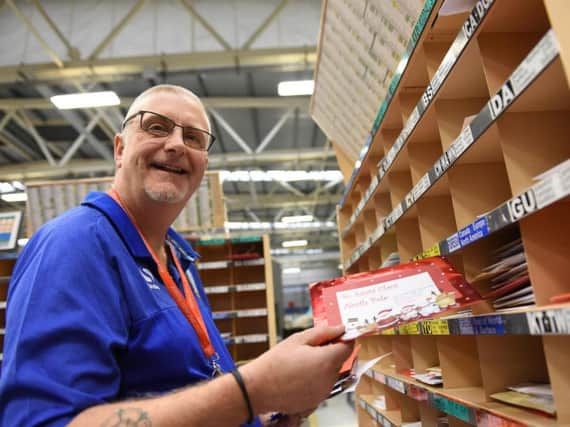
(298, 373)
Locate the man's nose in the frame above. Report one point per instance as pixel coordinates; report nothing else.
(175, 141)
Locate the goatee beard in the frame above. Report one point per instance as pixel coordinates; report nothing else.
(170, 197)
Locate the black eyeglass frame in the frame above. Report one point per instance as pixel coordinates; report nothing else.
(141, 113)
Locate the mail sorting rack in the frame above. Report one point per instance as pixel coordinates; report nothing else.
(238, 279)
(450, 169)
(47, 199)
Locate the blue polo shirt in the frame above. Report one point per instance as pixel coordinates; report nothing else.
(89, 321)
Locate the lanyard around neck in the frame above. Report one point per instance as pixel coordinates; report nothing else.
(187, 302)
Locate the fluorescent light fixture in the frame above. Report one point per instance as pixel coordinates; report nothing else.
(14, 197)
(85, 100)
(314, 225)
(296, 88)
(294, 243)
(291, 270)
(297, 218)
(280, 175)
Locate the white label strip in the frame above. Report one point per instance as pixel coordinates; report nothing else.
(421, 187)
(462, 143)
(252, 313)
(544, 52)
(549, 322)
(251, 287)
(217, 289)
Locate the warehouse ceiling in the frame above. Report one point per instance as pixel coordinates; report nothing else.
(231, 53)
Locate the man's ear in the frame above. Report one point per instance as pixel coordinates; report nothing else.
(119, 146)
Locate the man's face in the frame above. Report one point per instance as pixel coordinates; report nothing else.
(164, 169)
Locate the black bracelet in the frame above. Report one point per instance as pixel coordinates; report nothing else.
(239, 379)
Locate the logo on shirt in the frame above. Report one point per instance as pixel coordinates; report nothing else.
(149, 278)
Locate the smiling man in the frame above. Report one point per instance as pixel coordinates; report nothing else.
(107, 321)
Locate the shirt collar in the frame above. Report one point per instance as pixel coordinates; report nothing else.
(130, 235)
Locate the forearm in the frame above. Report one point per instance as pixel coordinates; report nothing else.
(214, 403)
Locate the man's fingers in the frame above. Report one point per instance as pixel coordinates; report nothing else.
(322, 334)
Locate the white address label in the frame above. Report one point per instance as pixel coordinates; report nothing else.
(546, 50)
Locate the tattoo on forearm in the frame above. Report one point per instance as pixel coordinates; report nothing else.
(131, 417)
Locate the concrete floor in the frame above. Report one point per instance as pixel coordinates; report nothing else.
(335, 412)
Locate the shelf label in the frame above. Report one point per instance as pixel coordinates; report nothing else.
(539, 57)
(396, 384)
(522, 205)
(441, 165)
(453, 243)
(409, 200)
(451, 407)
(502, 99)
(421, 187)
(461, 144)
(409, 329)
(477, 14)
(489, 325)
(442, 71)
(434, 327)
(390, 331)
(465, 326)
(473, 232)
(549, 190)
(428, 94)
(433, 251)
(549, 322)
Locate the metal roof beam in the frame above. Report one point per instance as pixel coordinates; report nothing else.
(110, 69)
(209, 102)
(271, 134)
(264, 24)
(72, 52)
(45, 46)
(42, 170)
(206, 25)
(229, 129)
(74, 120)
(117, 29)
(24, 122)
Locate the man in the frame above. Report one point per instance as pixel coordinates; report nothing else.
(107, 323)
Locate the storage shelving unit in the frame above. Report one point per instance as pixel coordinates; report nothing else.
(238, 279)
(46, 199)
(452, 167)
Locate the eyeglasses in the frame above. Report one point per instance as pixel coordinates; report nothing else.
(161, 126)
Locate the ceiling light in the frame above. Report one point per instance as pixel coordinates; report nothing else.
(14, 197)
(297, 218)
(294, 243)
(280, 175)
(85, 100)
(296, 88)
(291, 270)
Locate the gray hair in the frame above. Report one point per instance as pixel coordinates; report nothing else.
(175, 89)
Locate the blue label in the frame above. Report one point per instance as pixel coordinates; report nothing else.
(465, 327)
(489, 325)
(453, 243)
(473, 232)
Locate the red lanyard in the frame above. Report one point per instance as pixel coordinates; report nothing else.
(187, 302)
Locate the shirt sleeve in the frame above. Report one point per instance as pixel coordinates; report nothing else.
(66, 327)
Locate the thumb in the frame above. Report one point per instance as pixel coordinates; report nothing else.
(322, 334)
